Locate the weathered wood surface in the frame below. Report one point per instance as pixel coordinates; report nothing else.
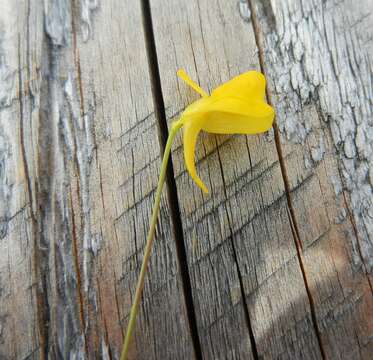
(276, 262)
(19, 281)
(321, 86)
(79, 165)
(239, 235)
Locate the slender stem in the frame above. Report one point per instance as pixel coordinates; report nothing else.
(149, 241)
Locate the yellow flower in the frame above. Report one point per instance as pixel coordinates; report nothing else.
(236, 107)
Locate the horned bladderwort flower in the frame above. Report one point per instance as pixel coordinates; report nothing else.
(236, 107)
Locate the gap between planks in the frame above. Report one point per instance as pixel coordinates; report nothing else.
(161, 122)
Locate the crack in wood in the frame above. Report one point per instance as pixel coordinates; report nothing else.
(292, 217)
(239, 274)
(43, 308)
(160, 114)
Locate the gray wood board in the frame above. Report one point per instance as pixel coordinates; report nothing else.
(238, 238)
(79, 165)
(20, 286)
(317, 57)
(279, 252)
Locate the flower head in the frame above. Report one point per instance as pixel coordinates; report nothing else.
(235, 107)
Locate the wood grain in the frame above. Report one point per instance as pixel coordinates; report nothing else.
(243, 262)
(79, 156)
(321, 86)
(21, 289)
(114, 83)
(279, 252)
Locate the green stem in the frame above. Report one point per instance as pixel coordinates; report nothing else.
(149, 241)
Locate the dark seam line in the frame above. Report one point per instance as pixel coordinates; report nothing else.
(254, 348)
(75, 252)
(160, 115)
(292, 218)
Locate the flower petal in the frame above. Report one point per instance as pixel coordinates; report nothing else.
(237, 116)
(249, 85)
(191, 131)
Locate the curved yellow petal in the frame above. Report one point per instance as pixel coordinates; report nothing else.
(238, 116)
(192, 128)
(184, 76)
(250, 85)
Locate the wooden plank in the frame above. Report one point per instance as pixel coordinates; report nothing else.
(321, 86)
(238, 238)
(19, 288)
(79, 160)
(114, 84)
